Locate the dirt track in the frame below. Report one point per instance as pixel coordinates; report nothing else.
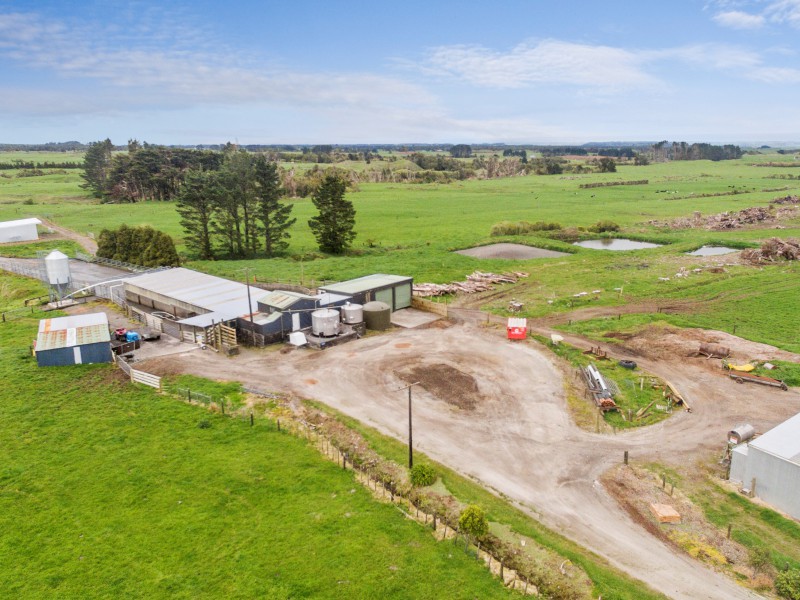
(518, 438)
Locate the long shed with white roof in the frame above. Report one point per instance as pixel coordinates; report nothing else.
(21, 230)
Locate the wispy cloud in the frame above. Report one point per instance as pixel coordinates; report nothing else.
(784, 11)
(736, 19)
(182, 70)
(777, 12)
(545, 62)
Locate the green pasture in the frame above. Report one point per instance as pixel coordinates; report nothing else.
(413, 229)
(112, 490)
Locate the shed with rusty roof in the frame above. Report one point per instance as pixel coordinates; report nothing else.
(74, 340)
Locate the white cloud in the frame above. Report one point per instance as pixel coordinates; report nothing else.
(545, 62)
(775, 75)
(714, 56)
(784, 11)
(736, 19)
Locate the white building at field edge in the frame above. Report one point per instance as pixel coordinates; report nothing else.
(771, 464)
(22, 230)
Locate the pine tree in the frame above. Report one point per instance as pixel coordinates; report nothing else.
(196, 208)
(274, 216)
(333, 227)
(96, 167)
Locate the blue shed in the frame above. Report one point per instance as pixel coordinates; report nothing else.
(74, 340)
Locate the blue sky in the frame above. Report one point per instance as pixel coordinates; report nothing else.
(205, 71)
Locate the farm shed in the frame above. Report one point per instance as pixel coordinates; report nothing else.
(394, 290)
(75, 340)
(771, 463)
(21, 230)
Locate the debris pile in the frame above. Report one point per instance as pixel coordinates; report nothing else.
(476, 282)
(733, 220)
(772, 250)
(792, 200)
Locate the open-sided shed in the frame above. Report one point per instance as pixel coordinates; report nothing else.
(394, 290)
(21, 230)
(74, 340)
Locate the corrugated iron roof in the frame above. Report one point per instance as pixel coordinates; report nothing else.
(192, 287)
(282, 300)
(68, 338)
(75, 330)
(782, 441)
(73, 322)
(368, 282)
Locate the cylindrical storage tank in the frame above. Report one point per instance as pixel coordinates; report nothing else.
(57, 266)
(377, 315)
(325, 322)
(741, 433)
(352, 313)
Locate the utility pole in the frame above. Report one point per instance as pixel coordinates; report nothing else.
(410, 428)
(249, 302)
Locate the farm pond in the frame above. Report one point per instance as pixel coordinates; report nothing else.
(615, 244)
(712, 251)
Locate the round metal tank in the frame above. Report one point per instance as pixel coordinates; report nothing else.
(377, 315)
(57, 266)
(352, 313)
(741, 433)
(325, 322)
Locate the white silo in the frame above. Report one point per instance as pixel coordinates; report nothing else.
(57, 265)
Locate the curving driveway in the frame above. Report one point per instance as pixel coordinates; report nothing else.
(520, 439)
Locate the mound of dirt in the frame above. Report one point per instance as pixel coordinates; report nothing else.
(445, 383)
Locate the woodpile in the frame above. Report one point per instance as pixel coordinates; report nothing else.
(772, 250)
(476, 282)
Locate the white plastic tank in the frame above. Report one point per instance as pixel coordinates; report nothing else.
(741, 434)
(325, 322)
(352, 313)
(57, 266)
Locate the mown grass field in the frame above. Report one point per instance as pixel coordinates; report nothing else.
(110, 490)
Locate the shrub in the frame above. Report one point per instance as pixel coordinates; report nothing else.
(787, 584)
(603, 226)
(759, 559)
(522, 227)
(422, 475)
(473, 522)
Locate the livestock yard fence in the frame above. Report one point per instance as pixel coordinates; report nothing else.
(137, 376)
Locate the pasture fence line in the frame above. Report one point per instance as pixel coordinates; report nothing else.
(384, 480)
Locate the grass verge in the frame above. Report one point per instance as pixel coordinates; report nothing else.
(608, 581)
